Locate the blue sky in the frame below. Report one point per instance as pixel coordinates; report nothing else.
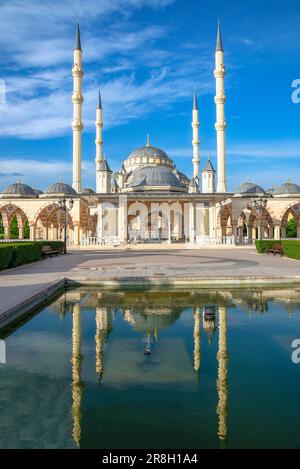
(147, 56)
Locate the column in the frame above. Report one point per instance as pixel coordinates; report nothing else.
(277, 234)
(170, 227)
(235, 232)
(32, 232)
(45, 232)
(192, 222)
(21, 232)
(100, 231)
(122, 219)
(222, 381)
(6, 232)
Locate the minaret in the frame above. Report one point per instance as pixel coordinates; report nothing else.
(99, 127)
(196, 141)
(220, 99)
(99, 144)
(77, 100)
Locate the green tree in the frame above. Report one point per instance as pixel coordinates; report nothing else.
(291, 229)
(14, 230)
(26, 230)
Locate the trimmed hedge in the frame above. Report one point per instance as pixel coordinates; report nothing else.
(262, 246)
(291, 248)
(15, 254)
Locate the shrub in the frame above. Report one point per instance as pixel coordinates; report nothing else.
(291, 249)
(25, 253)
(13, 229)
(15, 254)
(262, 246)
(291, 229)
(6, 255)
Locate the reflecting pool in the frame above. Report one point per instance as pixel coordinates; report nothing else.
(154, 369)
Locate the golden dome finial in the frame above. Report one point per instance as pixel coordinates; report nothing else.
(148, 141)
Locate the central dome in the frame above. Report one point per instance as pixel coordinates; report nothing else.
(148, 152)
(155, 176)
(147, 155)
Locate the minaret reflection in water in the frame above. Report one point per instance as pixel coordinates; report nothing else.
(197, 343)
(77, 385)
(222, 382)
(103, 328)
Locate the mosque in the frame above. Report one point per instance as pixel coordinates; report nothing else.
(149, 200)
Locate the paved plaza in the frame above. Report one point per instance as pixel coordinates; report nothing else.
(203, 267)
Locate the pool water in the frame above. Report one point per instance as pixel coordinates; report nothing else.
(153, 369)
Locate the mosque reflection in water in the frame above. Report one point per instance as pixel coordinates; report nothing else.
(148, 321)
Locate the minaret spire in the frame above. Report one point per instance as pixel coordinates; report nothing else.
(77, 124)
(77, 45)
(220, 126)
(195, 107)
(219, 46)
(99, 101)
(196, 141)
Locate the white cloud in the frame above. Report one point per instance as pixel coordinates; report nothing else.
(37, 39)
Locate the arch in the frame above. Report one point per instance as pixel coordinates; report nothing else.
(292, 211)
(224, 220)
(48, 223)
(293, 205)
(250, 222)
(9, 213)
(11, 208)
(43, 210)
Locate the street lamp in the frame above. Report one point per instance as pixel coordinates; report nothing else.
(259, 204)
(62, 203)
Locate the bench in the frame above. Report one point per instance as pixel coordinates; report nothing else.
(275, 249)
(49, 251)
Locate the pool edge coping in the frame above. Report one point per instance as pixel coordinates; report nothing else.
(47, 294)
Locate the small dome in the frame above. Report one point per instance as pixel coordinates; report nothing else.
(288, 188)
(183, 178)
(153, 176)
(271, 191)
(87, 190)
(60, 188)
(250, 188)
(19, 189)
(37, 191)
